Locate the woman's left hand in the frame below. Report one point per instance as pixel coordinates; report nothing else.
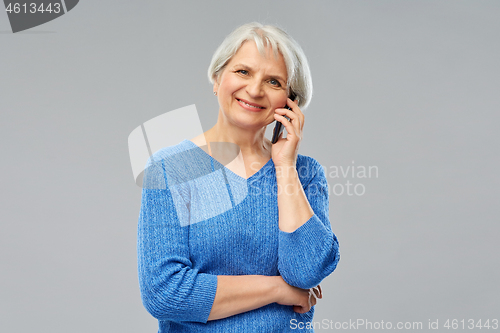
(284, 152)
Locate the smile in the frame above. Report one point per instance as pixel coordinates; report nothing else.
(250, 105)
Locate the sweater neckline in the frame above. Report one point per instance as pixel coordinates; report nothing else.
(261, 171)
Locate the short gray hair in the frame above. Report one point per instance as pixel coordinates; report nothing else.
(299, 76)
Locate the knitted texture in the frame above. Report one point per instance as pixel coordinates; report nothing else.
(198, 220)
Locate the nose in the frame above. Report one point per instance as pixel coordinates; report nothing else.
(254, 88)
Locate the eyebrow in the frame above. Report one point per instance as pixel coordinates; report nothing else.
(246, 67)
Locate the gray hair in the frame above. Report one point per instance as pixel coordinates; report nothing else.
(299, 76)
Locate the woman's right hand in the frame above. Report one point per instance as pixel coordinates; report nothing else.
(302, 300)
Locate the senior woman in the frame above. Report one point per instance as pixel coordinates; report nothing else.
(247, 255)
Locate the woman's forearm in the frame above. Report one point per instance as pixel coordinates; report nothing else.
(241, 293)
(294, 208)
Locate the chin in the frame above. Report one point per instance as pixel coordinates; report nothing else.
(249, 124)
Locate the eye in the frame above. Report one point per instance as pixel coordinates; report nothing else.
(275, 82)
(242, 71)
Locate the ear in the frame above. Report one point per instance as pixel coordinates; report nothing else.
(216, 84)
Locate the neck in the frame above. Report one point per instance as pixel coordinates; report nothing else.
(251, 141)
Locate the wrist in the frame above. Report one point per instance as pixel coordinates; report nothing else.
(286, 171)
(277, 284)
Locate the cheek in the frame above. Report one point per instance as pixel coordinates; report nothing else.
(279, 101)
(230, 84)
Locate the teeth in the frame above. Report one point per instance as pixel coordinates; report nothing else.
(253, 106)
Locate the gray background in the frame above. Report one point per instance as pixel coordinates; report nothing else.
(408, 86)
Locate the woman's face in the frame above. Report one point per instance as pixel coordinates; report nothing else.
(252, 86)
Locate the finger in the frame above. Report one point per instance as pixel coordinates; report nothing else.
(280, 136)
(293, 132)
(290, 114)
(299, 309)
(317, 292)
(285, 122)
(291, 128)
(292, 103)
(312, 300)
(297, 110)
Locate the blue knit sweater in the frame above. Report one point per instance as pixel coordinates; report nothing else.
(198, 220)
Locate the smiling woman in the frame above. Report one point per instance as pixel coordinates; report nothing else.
(251, 87)
(215, 258)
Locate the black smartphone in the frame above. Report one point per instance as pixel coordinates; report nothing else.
(278, 128)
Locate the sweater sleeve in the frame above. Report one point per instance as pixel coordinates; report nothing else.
(311, 252)
(171, 289)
